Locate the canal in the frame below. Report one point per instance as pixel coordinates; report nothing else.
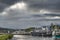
(25, 37)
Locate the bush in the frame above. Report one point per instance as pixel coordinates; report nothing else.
(6, 36)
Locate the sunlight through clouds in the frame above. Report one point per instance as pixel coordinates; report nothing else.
(20, 5)
(44, 11)
(26, 13)
(56, 17)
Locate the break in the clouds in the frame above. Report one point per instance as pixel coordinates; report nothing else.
(29, 13)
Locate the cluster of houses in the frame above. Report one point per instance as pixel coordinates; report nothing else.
(42, 31)
(46, 30)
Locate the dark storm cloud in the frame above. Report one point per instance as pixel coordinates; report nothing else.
(20, 18)
(36, 15)
(7, 3)
(2, 6)
(52, 14)
(10, 2)
(48, 20)
(37, 4)
(44, 4)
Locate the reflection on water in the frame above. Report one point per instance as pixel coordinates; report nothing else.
(24, 37)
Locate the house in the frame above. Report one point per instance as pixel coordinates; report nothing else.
(42, 31)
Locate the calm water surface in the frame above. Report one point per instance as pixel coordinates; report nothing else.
(24, 37)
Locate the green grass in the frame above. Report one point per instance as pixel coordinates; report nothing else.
(6, 36)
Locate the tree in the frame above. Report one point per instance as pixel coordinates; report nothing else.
(29, 29)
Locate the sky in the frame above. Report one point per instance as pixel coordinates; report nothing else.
(19, 14)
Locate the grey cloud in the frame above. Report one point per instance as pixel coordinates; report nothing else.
(49, 20)
(21, 19)
(36, 15)
(9, 2)
(44, 4)
(52, 14)
(38, 4)
(2, 6)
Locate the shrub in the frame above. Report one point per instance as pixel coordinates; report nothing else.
(6, 36)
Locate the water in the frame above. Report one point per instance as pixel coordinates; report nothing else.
(24, 37)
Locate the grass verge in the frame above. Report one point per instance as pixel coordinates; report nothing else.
(6, 36)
